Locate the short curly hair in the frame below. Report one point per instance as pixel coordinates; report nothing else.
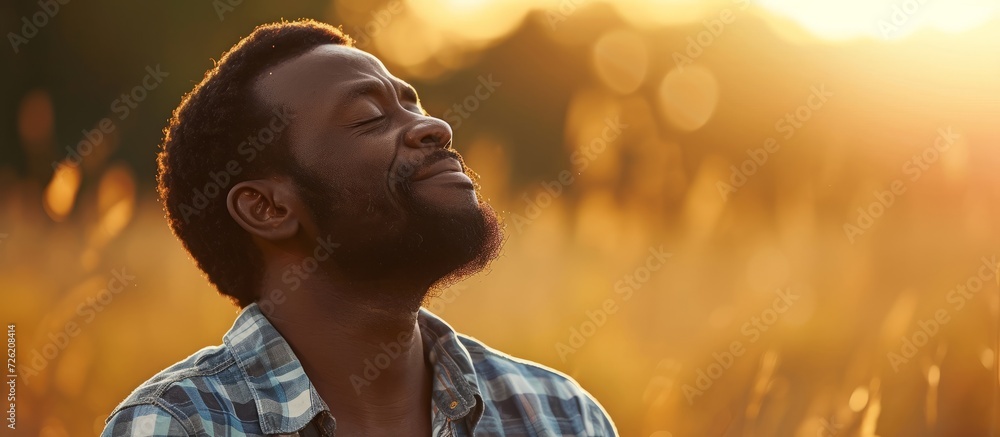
(220, 135)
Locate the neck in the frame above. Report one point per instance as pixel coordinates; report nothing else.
(359, 343)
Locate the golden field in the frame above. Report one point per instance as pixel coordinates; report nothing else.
(724, 218)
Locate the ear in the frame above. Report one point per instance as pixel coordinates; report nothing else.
(263, 207)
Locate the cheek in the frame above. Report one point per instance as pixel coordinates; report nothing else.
(366, 174)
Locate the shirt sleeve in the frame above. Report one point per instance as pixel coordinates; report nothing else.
(144, 421)
(598, 423)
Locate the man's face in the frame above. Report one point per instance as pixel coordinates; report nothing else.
(377, 173)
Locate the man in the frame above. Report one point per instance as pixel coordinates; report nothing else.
(310, 186)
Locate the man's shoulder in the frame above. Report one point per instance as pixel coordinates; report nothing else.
(492, 364)
(507, 383)
(180, 393)
(193, 370)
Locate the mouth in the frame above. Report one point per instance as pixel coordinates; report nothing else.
(445, 170)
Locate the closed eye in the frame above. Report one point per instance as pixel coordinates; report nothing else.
(375, 119)
(372, 124)
(368, 120)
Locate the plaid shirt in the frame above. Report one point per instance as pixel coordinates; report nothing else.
(253, 385)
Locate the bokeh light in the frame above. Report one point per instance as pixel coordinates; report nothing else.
(621, 60)
(689, 96)
(614, 129)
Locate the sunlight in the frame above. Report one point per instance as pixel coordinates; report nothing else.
(473, 20)
(827, 19)
(884, 19)
(60, 194)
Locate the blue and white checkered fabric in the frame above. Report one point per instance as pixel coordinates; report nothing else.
(254, 385)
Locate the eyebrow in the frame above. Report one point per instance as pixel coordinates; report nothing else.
(363, 88)
(372, 86)
(408, 92)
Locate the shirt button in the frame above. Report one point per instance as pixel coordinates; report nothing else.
(453, 405)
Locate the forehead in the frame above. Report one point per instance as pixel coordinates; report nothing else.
(317, 70)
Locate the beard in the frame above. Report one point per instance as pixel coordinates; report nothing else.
(409, 239)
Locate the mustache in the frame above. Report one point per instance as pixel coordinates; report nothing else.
(439, 155)
(404, 172)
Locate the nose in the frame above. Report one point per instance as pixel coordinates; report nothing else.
(429, 132)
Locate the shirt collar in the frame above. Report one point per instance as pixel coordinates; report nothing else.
(455, 388)
(287, 401)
